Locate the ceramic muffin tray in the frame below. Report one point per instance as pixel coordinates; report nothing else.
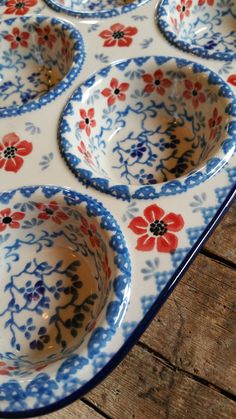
(117, 159)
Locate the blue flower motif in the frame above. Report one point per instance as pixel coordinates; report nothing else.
(137, 150)
(70, 367)
(14, 394)
(41, 341)
(34, 293)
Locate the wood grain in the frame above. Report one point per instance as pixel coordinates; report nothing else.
(74, 411)
(222, 243)
(196, 328)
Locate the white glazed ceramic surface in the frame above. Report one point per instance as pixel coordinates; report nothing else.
(149, 229)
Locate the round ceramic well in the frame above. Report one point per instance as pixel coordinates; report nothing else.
(59, 264)
(146, 121)
(95, 8)
(204, 27)
(40, 57)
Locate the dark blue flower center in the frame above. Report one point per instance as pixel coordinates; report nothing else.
(9, 152)
(7, 220)
(118, 35)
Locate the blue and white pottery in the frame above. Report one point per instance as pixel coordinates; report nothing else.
(148, 121)
(40, 57)
(62, 259)
(95, 8)
(205, 27)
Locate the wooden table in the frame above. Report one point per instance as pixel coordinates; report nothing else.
(184, 366)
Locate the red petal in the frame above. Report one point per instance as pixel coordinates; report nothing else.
(167, 243)
(2, 226)
(43, 216)
(10, 139)
(188, 84)
(91, 113)
(149, 88)
(187, 94)
(13, 165)
(93, 123)
(138, 225)
(117, 27)
(153, 212)
(5, 212)
(114, 83)
(130, 31)
(121, 96)
(123, 87)
(9, 37)
(105, 34)
(87, 130)
(24, 148)
(111, 100)
(145, 243)
(15, 31)
(82, 124)
(166, 83)
(147, 78)
(232, 79)
(198, 86)
(14, 224)
(174, 222)
(158, 74)
(106, 92)
(110, 42)
(83, 113)
(18, 216)
(124, 42)
(2, 162)
(160, 90)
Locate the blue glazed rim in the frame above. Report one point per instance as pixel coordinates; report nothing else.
(161, 13)
(78, 61)
(169, 188)
(117, 11)
(139, 330)
(114, 311)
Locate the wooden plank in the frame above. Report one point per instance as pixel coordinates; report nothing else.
(74, 411)
(223, 241)
(143, 387)
(196, 328)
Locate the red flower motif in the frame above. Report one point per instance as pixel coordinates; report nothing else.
(183, 8)
(156, 82)
(17, 39)
(10, 220)
(232, 79)
(86, 154)
(194, 92)
(156, 228)
(118, 35)
(5, 369)
(45, 37)
(209, 2)
(106, 270)
(88, 121)
(11, 151)
(19, 7)
(214, 123)
(91, 231)
(115, 92)
(51, 211)
(66, 48)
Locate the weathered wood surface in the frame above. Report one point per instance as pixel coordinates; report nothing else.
(184, 366)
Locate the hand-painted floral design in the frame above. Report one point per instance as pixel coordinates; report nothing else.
(17, 38)
(232, 79)
(10, 219)
(88, 122)
(19, 7)
(115, 91)
(209, 2)
(183, 8)
(6, 369)
(43, 339)
(156, 82)
(156, 229)
(66, 48)
(86, 154)
(34, 292)
(106, 270)
(12, 151)
(214, 123)
(118, 35)
(45, 37)
(194, 92)
(51, 211)
(91, 231)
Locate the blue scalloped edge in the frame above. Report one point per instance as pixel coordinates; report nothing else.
(169, 188)
(105, 14)
(185, 46)
(78, 61)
